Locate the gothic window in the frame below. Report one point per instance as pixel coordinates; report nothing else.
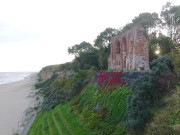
(124, 44)
(118, 48)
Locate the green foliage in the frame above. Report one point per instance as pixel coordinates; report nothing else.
(79, 48)
(176, 59)
(64, 67)
(171, 19)
(56, 91)
(165, 43)
(127, 27)
(80, 75)
(114, 101)
(86, 95)
(94, 122)
(59, 83)
(60, 67)
(175, 119)
(94, 68)
(166, 117)
(87, 59)
(103, 54)
(76, 87)
(56, 97)
(161, 64)
(147, 20)
(92, 119)
(102, 42)
(141, 100)
(68, 84)
(103, 39)
(85, 55)
(58, 121)
(153, 42)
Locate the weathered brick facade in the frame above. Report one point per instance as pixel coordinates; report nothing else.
(129, 51)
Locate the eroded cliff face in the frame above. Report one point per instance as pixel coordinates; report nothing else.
(46, 74)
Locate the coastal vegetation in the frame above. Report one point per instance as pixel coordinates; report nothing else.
(83, 97)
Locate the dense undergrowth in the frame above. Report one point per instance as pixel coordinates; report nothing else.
(56, 90)
(166, 114)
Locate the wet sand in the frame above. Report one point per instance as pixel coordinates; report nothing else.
(14, 101)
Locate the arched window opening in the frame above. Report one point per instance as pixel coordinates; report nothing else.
(124, 44)
(118, 48)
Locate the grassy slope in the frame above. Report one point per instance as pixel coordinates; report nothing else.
(59, 121)
(166, 120)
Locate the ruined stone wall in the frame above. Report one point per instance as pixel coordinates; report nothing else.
(129, 51)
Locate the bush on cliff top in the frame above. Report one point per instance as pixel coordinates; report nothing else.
(141, 100)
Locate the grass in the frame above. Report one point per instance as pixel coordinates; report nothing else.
(166, 120)
(59, 121)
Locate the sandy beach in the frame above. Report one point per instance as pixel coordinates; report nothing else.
(14, 101)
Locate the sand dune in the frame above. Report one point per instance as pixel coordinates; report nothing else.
(14, 101)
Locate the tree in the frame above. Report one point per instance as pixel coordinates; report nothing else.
(88, 59)
(79, 48)
(153, 42)
(166, 44)
(85, 55)
(104, 38)
(176, 59)
(148, 21)
(126, 27)
(103, 57)
(102, 43)
(171, 20)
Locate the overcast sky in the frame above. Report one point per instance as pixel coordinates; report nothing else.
(37, 33)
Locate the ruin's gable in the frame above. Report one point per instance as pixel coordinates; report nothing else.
(129, 51)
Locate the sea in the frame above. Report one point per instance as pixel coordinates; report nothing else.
(8, 77)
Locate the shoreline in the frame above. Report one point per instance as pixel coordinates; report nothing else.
(15, 99)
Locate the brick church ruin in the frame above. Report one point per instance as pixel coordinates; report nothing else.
(129, 51)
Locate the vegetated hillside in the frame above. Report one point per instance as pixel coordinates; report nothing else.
(106, 93)
(103, 101)
(113, 102)
(59, 121)
(63, 84)
(166, 114)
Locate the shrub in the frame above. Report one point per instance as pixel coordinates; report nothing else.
(120, 129)
(76, 87)
(94, 122)
(138, 104)
(164, 63)
(141, 100)
(59, 83)
(54, 98)
(80, 75)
